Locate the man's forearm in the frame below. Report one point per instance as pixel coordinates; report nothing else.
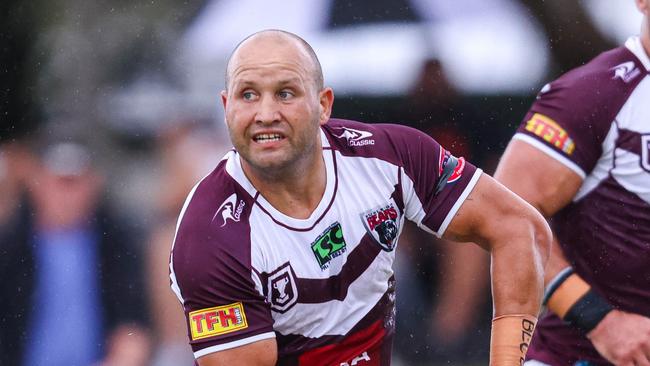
(517, 287)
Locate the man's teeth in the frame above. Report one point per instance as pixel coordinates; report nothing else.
(267, 137)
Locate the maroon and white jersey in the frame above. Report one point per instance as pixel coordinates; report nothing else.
(596, 120)
(323, 286)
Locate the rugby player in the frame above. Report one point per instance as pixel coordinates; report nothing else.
(582, 158)
(283, 254)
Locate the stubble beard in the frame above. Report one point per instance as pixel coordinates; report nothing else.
(291, 163)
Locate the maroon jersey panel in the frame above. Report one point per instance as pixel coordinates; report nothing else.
(439, 178)
(213, 265)
(573, 114)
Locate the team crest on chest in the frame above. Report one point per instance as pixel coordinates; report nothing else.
(329, 245)
(282, 292)
(383, 225)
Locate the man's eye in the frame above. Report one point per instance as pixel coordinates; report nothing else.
(285, 94)
(248, 95)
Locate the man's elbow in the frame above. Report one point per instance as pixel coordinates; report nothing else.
(541, 235)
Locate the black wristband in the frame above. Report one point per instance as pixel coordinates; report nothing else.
(587, 312)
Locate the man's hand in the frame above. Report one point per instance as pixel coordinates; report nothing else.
(623, 338)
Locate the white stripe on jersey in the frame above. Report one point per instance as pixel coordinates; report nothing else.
(624, 166)
(237, 343)
(534, 363)
(412, 204)
(604, 164)
(459, 202)
(550, 152)
(331, 317)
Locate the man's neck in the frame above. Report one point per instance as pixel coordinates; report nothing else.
(645, 41)
(645, 35)
(295, 192)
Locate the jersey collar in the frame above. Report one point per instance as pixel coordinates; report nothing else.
(233, 167)
(636, 47)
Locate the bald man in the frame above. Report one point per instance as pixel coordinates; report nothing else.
(284, 253)
(582, 157)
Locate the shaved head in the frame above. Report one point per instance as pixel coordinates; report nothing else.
(276, 35)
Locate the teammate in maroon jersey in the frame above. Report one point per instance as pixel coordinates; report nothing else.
(284, 253)
(581, 157)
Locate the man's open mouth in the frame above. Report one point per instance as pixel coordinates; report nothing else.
(267, 137)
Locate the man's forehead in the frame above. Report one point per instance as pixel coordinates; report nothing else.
(267, 49)
(257, 76)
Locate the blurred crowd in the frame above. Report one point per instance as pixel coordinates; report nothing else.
(110, 115)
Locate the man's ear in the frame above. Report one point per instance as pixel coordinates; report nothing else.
(224, 98)
(326, 100)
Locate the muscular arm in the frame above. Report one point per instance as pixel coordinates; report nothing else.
(544, 183)
(518, 239)
(548, 185)
(260, 353)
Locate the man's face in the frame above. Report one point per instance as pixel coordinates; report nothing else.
(273, 110)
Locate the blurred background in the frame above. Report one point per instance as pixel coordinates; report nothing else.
(110, 113)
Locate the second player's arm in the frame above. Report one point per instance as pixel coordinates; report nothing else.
(518, 239)
(549, 185)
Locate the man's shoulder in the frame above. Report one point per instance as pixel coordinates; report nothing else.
(383, 141)
(609, 75)
(215, 208)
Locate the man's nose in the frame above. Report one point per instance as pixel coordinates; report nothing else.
(268, 110)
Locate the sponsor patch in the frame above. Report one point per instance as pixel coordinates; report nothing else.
(383, 225)
(218, 320)
(228, 211)
(356, 137)
(282, 290)
(551, 132)
(329, 245)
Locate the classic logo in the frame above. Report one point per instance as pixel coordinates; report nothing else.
(626, 71)
(383, 225)
(551, 132)
(218, 320)
(329, 245)
(356, 137)
(645, 152)
(450, 169)
(282, 290)
(228, 211)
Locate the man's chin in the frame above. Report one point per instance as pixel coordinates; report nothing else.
(270, 164)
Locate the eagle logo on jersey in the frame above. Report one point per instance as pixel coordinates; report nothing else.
(383, 225)
(356, 137)
(228, 210)
(282, 292)
(450, 169)
(626, 71)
